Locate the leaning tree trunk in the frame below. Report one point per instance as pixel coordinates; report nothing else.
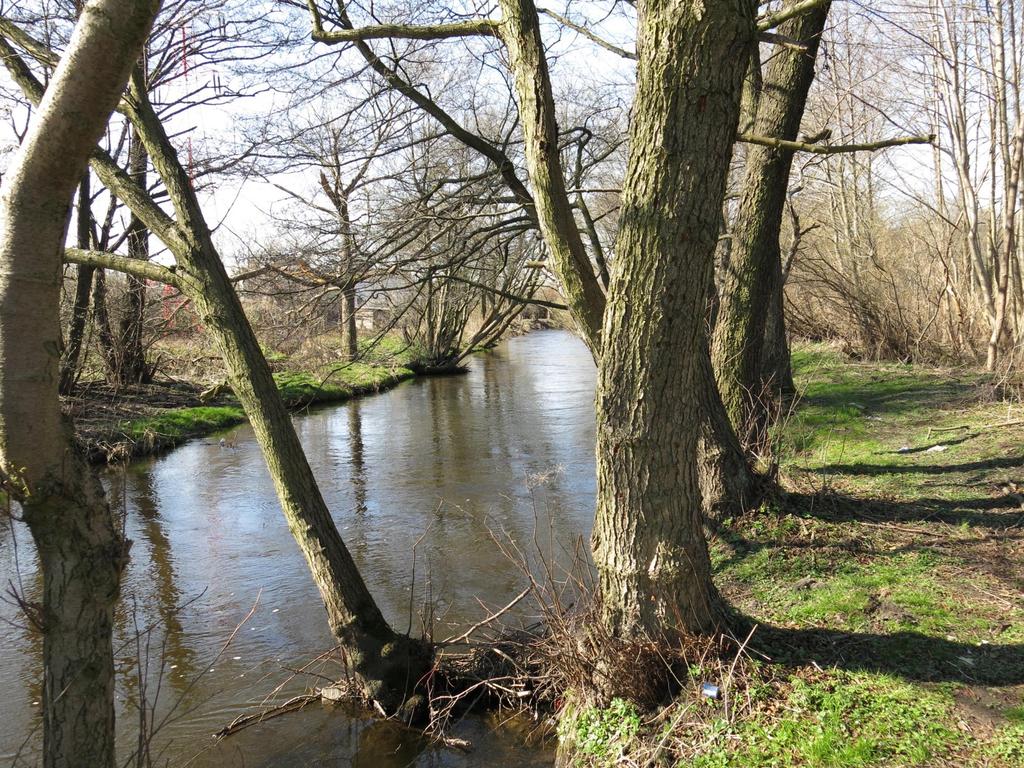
(520, 30)
(81, 552)
(83, 289)
(754, 275)
(649, 547)
(387, 664)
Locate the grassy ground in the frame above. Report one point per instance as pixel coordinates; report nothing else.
(136, 421)
(887, 586)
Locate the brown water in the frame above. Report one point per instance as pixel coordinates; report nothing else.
(436, 465)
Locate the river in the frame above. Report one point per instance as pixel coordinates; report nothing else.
(420, 479)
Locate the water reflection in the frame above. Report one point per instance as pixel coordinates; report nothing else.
(355, 452)
(418, 480)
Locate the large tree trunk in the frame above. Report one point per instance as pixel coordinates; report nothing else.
(649, 547)
(753, 277)
(728, 484)
(81, 552)
(83, 289)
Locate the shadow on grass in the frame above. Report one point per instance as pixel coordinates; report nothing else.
(1001, 462)
(932, 445)
(910, 655)
(997, 512)
(892, 396)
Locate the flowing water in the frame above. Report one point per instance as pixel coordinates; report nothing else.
(420, 479)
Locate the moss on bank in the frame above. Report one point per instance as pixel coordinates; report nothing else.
(160, 428)
(300, 389)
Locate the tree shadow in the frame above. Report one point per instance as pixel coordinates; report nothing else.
(909, 655)
(880, 394)
(931, 446)
(1001, 462)
(995, 512)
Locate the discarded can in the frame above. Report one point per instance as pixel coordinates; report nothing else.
(709, 691)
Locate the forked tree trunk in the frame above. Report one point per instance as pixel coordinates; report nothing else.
(753, 277)
(83, 291)
(729, 486)
(649, 547)
(1008, 249)
(81, 552)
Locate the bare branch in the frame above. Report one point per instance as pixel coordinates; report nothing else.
(481, 28)
(146, 270)
(773, 20)
(588, 34)
(833, 149)
(781, 40)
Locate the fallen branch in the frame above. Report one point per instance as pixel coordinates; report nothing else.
(244, 721)
(999, 425)
(465, 635)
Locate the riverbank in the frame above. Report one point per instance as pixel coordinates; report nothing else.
(886, 589)
(123, 423)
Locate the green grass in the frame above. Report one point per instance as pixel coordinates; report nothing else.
(869, 427)
(601, 735)
(344, 381)
(390, 350)
(844, 720)
(1007, 747)
(180, 423)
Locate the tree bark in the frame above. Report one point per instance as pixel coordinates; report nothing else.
(728, 484)
(776, 363)
(753, 276)
(348, 304)
(83, 290)
(81, 552)
(131, 352)
(649, 547)
(101, 318)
